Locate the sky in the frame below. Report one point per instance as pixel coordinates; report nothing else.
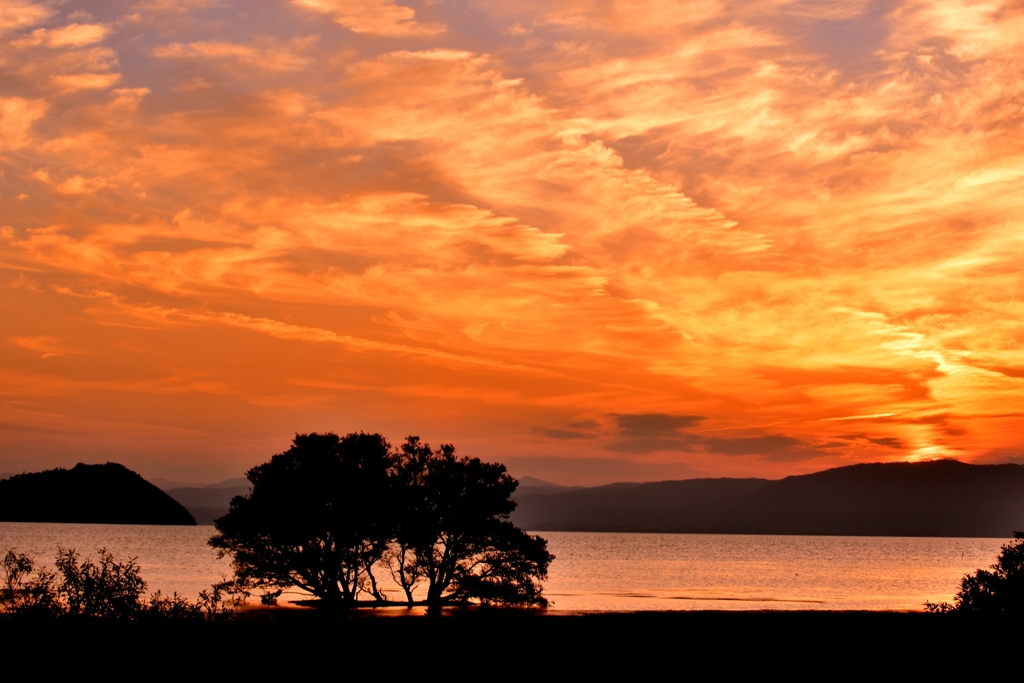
(596, 240)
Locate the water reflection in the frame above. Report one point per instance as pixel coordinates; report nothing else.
(595, 571)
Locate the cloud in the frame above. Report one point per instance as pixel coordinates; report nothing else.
(771, 446)
(637, 210)
(653, 432)
(380, 17)
(884, 441)
(18, 14)
(76, 184)
(655, 424)
(517, 29)
(47, 347)
(270, 56)
(72, 35)
(17, 115)
(85, 81)
(632, 16)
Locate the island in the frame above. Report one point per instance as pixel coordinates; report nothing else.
(88, 494)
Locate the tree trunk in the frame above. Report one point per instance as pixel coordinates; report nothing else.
(374, 590)
(435, 599)
(330, 594)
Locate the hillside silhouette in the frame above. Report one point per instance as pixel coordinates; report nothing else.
(88, 494)
(937, 498)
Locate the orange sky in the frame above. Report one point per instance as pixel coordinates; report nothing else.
(595, 240)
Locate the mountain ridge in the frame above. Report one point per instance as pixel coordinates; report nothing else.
(933, 498)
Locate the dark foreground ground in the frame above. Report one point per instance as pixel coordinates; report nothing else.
(298, 644)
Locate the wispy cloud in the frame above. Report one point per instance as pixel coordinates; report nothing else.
(266, 55)
(72, 35)
(544, 228)
(380, 17)
(46, 347)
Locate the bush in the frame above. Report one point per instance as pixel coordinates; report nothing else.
(104, 589)
(997, 589)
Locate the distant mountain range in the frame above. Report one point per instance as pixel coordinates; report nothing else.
(207, 503)
(170, 484)
(88, 494)
(937, 498)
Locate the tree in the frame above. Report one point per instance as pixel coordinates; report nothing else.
(323, 514)
(317, 517)
(454, 531)
(997, 589)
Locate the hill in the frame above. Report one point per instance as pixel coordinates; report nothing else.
(88, 494)
(937, 498)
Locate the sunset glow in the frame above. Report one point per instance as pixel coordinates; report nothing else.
(595, 240)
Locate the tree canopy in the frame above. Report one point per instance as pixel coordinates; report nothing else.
(316, 518)
(332, 515)
(454, 531)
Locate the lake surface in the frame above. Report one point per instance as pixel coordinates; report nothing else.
(606, 571)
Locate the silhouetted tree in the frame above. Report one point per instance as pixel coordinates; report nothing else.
(453, 531)
(997, 589)
(317, 517)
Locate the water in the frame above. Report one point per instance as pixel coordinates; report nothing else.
(172, 558)
(599, 571)
(604, 571)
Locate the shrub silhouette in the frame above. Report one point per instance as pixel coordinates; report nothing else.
(78, 588)
(997, 589)
(103, 589)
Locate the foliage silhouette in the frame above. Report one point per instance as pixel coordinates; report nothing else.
(454, 531)
(102, 589)
(331, 513)
(997, 589)
(317, 517)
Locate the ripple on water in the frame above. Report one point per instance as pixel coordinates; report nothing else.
(614, 571)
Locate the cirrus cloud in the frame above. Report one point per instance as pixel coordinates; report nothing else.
(616, 218)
